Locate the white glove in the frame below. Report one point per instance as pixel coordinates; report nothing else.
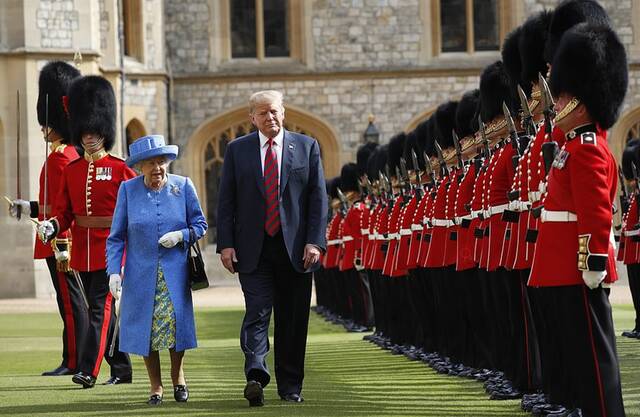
(18, 204)
(61, 256)
(171, 239)
(45, 231)
(593, 278)
(115, 285)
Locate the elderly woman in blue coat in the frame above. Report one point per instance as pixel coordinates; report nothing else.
(157, 217)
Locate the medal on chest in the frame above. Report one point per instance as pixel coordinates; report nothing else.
(103, 173)
(561, 159)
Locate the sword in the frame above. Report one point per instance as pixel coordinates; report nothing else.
(46, 155)
(116, 329)
(18, 193)
(76, 276)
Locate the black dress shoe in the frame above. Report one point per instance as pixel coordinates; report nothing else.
(115, 380)
(253, 393)
(155, 399)
(180, 393)
(87, 381)
(292, 398)
(59, 371)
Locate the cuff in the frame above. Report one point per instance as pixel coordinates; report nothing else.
(34, 209)
(588, 261)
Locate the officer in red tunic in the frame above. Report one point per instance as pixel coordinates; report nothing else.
(574, 252)
(85, 205)
(55, 78)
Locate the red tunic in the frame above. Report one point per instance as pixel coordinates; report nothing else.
(381, 239)
(583, 183)
(394, 236)
(464, 241)
(371, 236)
(439, 233)
(352, 236)
(486, 223)
(89, 189)
(331, 257)
(58, 159)
(416, 231)
(401, 264)
(477, 230)
(451, 249)
(427, 230)
(629, 251)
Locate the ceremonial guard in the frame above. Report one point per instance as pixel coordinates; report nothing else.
(53, 86)
(85, 205)
(574, 252)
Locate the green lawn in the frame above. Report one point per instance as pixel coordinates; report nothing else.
(345, 376)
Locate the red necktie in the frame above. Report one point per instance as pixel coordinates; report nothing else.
(272, 222)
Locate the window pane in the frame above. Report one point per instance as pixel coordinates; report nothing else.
(453, 22)
(243, 28)
(276, 31)
(485, 25)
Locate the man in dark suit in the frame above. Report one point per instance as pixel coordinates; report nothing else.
(271, 228)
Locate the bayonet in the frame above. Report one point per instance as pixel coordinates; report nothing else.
(456, 144)
(444, 171)
(483, 135)
(548, 105)
(513, 134)
(416, 166)
(527, 116)
(428, 168)
(343, 202)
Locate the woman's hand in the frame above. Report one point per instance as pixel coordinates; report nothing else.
(169, 240)
(115, 285)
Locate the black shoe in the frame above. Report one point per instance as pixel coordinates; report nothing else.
(253, 393)
(115, 380)
(59, 371)
(544, 409)
(87, 381)
(292, 398)
(181, 393)
(155, 399)
(633, 334)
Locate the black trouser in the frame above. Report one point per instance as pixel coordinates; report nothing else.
(73, 311)
(377, 301)
(431, 341)
(276, 285)
(101, 324)
(633, 272)
(585, 341)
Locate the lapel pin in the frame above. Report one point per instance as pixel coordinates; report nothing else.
(291, 146)
(175, 190)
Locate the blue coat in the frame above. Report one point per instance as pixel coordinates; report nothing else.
(141, 217)
(242, 202)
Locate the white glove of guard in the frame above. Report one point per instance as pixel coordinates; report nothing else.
(593, 278)
(115, 285)
(169, 240)
(23, 205)
(61, 256)
(45, 231)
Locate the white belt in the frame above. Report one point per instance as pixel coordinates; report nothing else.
(372, 236)
(542, 187)
(534, 196)
(632, 232)
(380, 236)
(442, 222)
(558, 216)
(416, 227)
(347, 238)
(334, 242)
(394, 236)
(519, 205)
(458, 220)
(405, 232)
(475, 213)
(497, 209)
(364, 231)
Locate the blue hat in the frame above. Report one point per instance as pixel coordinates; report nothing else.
(149, 147)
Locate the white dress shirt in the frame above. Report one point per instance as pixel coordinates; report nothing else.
(278, 142)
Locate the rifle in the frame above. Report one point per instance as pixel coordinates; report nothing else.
(416, 169)
(485, 141)
(624, 195)
(456, 144)
(634, 169)
(513, 135)
(444, 170)
(550, 147)
(527, 116)
(406, 182)
(428, 168)
(343, 203)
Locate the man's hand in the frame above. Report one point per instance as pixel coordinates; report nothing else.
(311, 255)
(228, 257)
(115, 285)
(169, 240)
(593, 278)
(46, 231)
(19, 205)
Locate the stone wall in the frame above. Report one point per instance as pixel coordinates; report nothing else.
(187, 34)
(57, 20)
(148, 94)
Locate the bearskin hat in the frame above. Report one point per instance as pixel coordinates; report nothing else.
(591, 64)
(334, 184)
(92, 109)
(349, 177)
(377, 162)
(422, 132)
(568, 14)
(362, 156)
(445, 117)
(495, 88)
(396, 146)
(466, 113)
(411, 144)
(55, 79)
(512, 62)
(533, 36)
(431, 131)
(630, 154)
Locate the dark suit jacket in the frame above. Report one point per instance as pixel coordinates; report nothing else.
(242, 201)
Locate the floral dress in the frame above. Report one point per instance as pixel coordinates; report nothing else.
(163, 326)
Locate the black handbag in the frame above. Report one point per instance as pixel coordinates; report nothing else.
(197, 273)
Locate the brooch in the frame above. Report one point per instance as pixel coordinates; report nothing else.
(175, 190)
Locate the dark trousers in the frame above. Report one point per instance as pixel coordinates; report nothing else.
(101, 325)
(585, 341)
(275, 285)
(633, 272)
(73, 311)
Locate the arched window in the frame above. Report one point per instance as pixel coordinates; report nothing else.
(135, 130)
(206, 147)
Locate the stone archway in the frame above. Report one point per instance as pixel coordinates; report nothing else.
(205, 150)
(627, 126)
(416, 120)
(134, 130)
